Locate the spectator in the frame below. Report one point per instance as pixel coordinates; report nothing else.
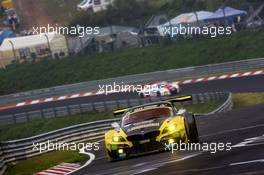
(15, 19)
(2, 10)
(10, 21)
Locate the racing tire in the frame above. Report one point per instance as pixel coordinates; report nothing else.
(110, 157)
(173, 92)
(191, 128)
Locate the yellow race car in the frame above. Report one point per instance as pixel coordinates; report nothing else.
(150, 127)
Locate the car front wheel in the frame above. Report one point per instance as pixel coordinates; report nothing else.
(191, 128)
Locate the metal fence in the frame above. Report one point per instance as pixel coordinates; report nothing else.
(95, 107)
(173, 74)
(13, 151)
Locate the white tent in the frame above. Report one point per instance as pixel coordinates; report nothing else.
(37, 46)
(184, 19)
(189, 18)
(29, 41)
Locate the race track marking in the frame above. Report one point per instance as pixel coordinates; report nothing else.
(62, 98)
(211, 78)
(258, 72)
(21, 104)
(246, 74)
(232, 130)
(87, 94)
(35, 102)
(99, 93)
(223, 77)
(247, 162)
(187, 81)
(200, 170)
(48, 99)
(163, 163)
(251, 142)
(144, 171)
(234, 75)
(75, 96)
(62, 169)
(200, 79)
(139, 164)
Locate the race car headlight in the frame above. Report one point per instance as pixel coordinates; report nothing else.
(118, 139)
(170, 128)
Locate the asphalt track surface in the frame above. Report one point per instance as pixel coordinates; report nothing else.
(243, 128)
(241, 84)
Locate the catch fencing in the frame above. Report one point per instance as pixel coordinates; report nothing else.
(13, 151)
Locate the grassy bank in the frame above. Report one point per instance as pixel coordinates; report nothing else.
(45, 161)
(247, 99)
(131, 61)
(36, 127)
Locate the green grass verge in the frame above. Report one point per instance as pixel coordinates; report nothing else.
(131, 61)
(247, 99)
(203, 107)
(45, 161)
(35, 127)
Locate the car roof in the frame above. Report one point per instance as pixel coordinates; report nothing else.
(154, 104)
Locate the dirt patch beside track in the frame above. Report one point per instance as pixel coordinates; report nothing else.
(32, 14)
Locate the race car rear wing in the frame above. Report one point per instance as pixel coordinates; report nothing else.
(119, 111)
(172, 100)
(180, 99)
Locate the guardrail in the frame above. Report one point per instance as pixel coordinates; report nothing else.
(13, 151)
(167, 75)
(92, 107)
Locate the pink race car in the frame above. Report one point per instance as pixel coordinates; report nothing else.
(160, 89)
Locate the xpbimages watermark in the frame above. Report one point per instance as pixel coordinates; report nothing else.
(131, 88)
(62, 146)
(64, 30)
(211, 147)
(212, 31)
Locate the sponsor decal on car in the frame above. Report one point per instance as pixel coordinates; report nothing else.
(143, 126)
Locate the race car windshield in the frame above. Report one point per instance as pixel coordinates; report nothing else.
(163, 84)
(146, 115)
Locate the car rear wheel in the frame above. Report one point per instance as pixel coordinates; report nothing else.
(111, 157)
(191, 128)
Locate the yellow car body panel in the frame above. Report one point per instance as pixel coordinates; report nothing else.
(177, 121)
(109, 139)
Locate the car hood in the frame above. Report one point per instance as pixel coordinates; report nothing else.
(143, 127)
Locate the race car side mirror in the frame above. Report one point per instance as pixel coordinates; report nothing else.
(181, 111)
(115, 125)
